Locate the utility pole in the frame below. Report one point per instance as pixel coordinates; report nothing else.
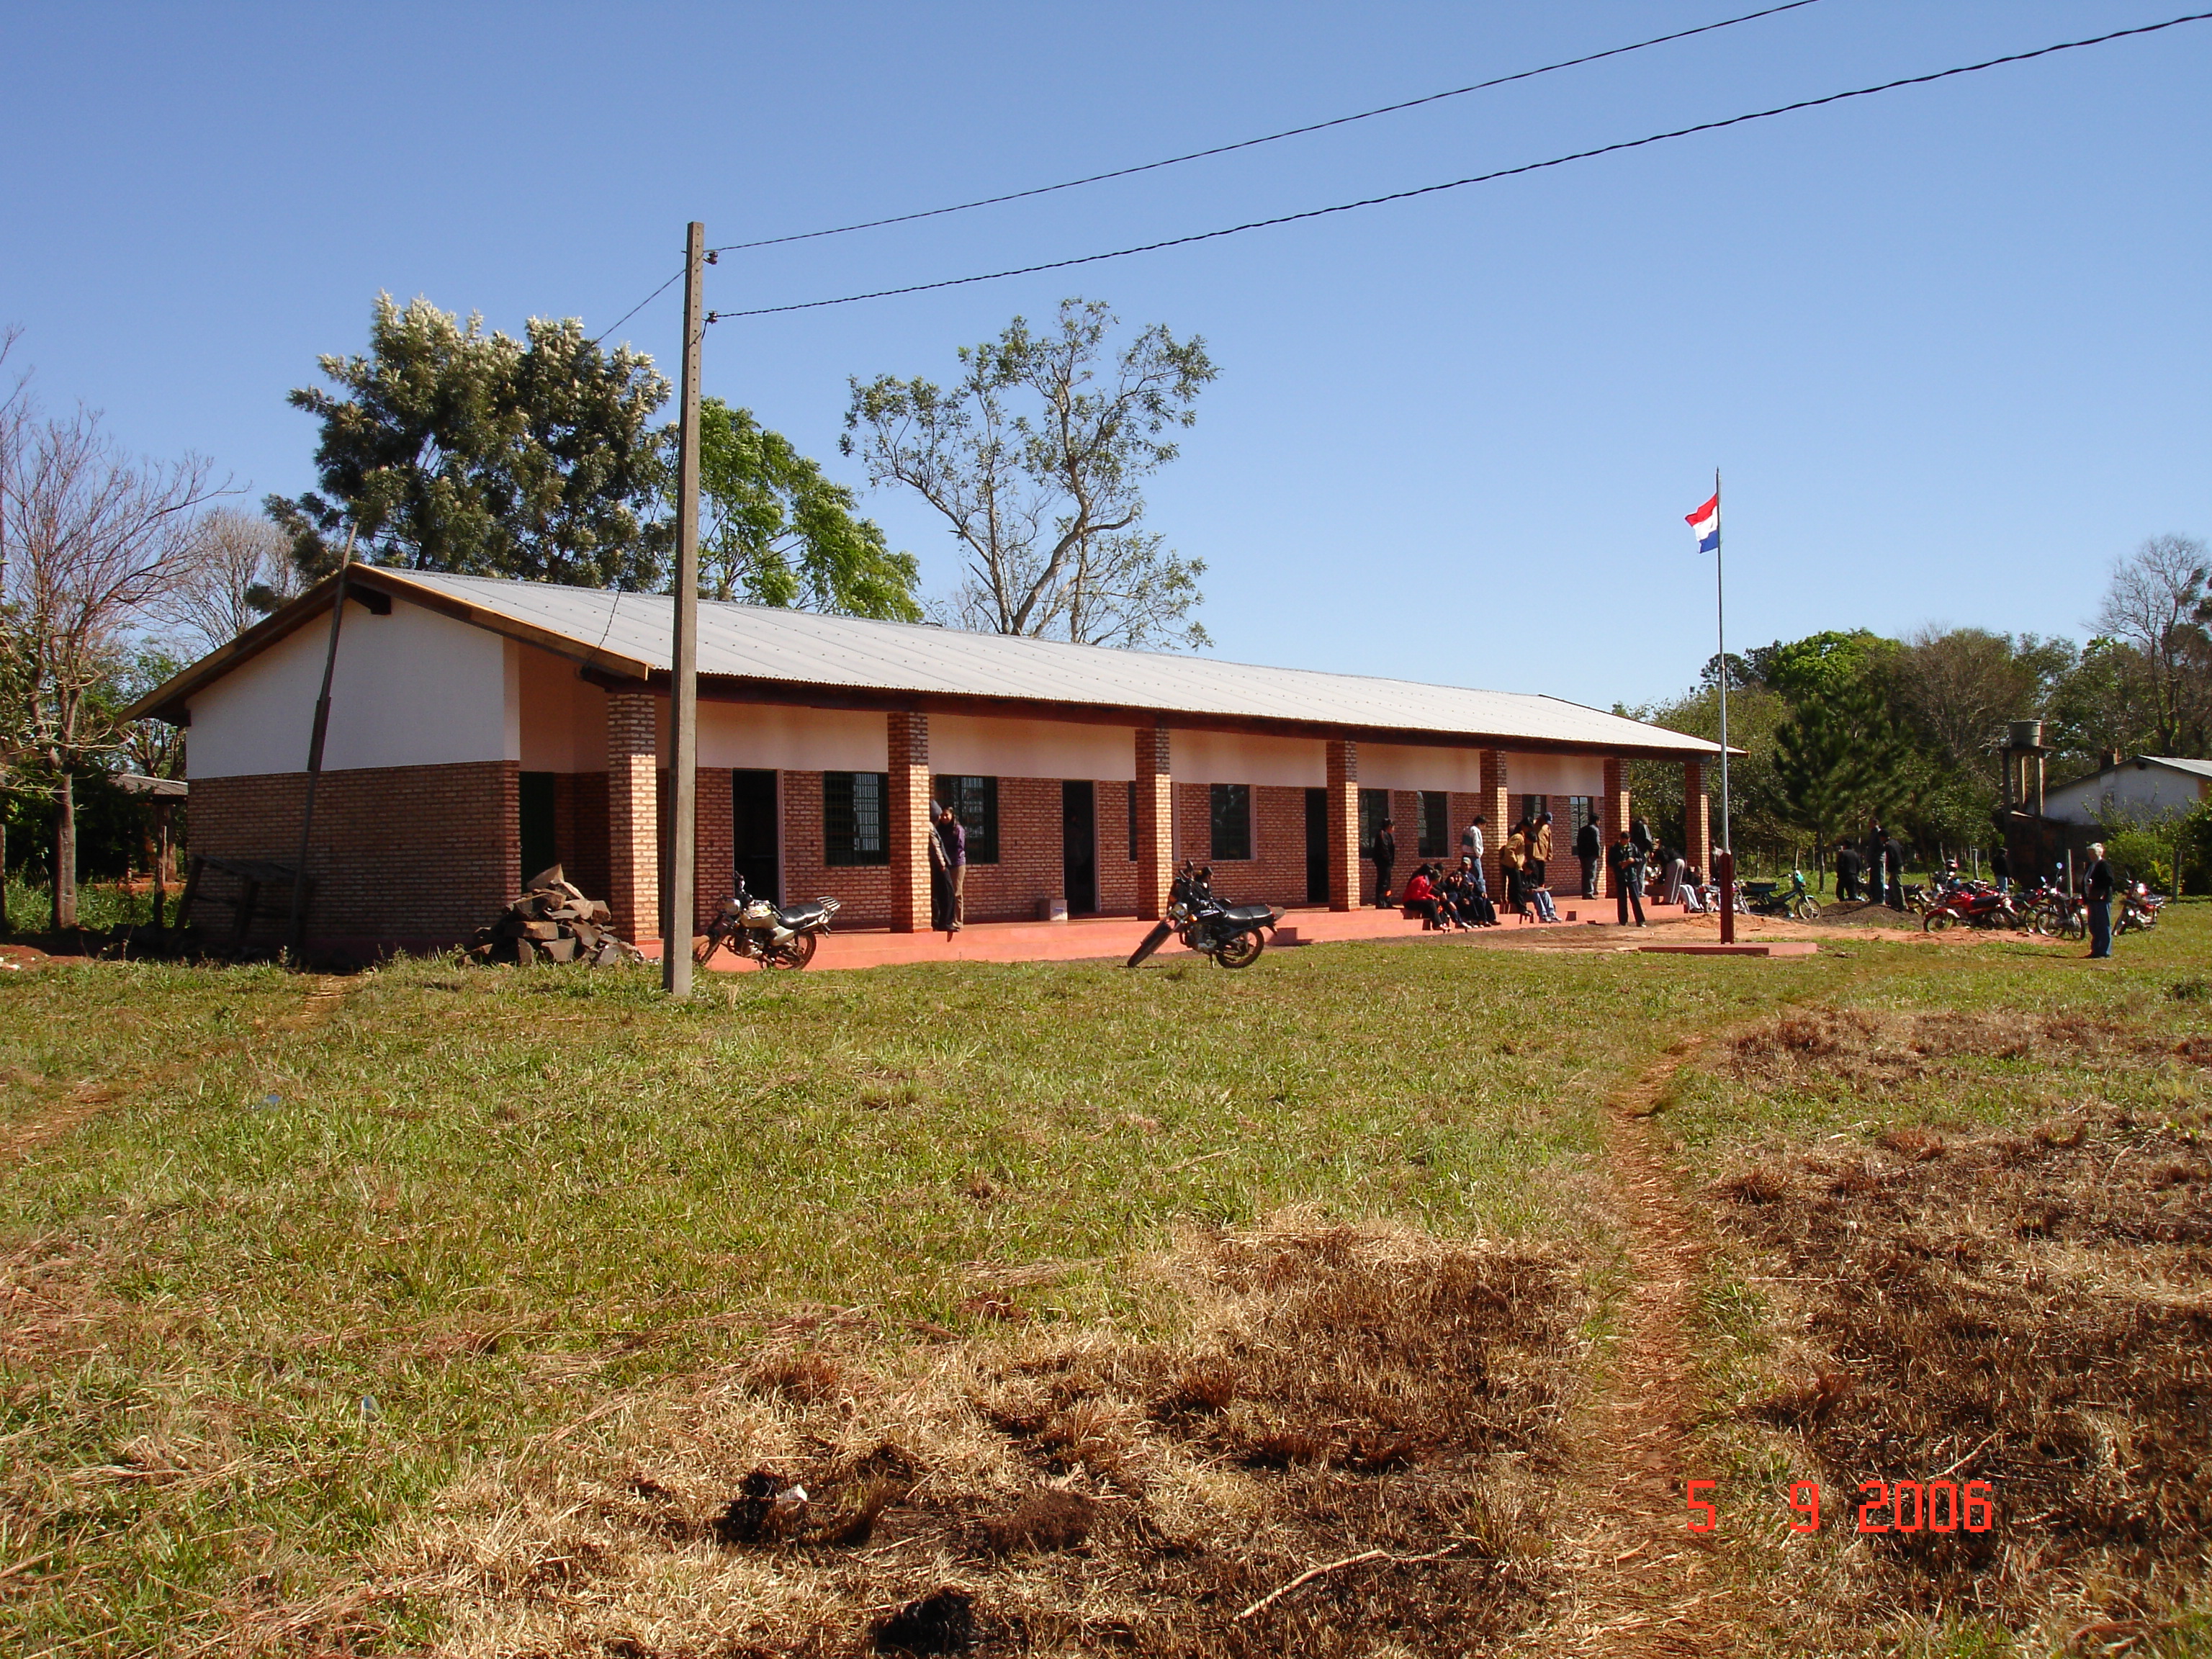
(295, 934)
(683, 656)
(1726, 860)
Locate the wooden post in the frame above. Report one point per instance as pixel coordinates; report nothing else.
(160, 859)
(683, 654)
(295, 934)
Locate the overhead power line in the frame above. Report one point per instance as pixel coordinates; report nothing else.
(1476, 178)
(1267, 138)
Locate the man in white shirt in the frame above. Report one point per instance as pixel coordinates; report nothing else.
(1470, 846)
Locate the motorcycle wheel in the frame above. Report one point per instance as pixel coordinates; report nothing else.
(1808, 910)
(703, 952)
(793, 953)
(1936, 921)
(1241, 951)
(1153, 941)
(2074, 927)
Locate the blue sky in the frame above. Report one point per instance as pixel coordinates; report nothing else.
(1951, 345)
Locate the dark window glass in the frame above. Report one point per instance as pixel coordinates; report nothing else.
(1580, 810)
(1435, 812)
(1533, 806)
(1133, 820)
(853, 825)
(1232, 821)
(974, 802)
(534, 802)
(1374, 807)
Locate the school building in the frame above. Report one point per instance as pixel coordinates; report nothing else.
(480, 730)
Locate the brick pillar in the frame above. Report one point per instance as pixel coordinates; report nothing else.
(1497, 816)
(1343, 824)
(1613, 814)
(634, 815)
(906, 806)
(1697, 819)
(1155, 823)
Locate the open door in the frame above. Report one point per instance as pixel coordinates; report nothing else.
(755, 840)
(1317, 847)
(1079, 844)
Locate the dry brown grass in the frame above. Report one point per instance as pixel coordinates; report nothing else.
(1043, 1489)
(2028, 1308)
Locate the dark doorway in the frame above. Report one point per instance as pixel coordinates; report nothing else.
(1317, 847)
(1078, 844)
(754, 841)
(534, 798)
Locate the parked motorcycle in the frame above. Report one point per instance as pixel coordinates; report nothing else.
(1230, 933)
(776, 936)
(1972, 904)
(2139, 909)
(1767, 898)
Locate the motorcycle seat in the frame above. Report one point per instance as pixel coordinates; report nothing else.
(799, 915)
(1249, 913)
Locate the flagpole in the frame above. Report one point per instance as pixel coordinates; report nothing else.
(1725, 873)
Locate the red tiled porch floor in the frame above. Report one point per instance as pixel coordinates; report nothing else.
(1113, 937)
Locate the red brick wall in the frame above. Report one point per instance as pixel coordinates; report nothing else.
(865, 890)
(580, 829)
(713, 842)
(1117, 871)
(413, 857)
(1030, 866)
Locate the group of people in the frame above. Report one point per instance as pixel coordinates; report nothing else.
(1864, 871)
(1451, 899)
(948, 870)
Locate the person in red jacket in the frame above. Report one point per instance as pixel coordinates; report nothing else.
(1420, 900)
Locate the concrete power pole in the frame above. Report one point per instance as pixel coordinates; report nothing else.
(684, 658)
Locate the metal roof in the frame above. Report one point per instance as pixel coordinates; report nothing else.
(630, 632)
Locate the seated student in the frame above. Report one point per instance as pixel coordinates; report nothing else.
(1468, 899)
(1539, 897)
(1420, 899)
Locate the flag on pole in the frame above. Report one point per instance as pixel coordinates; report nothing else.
(1706, 521)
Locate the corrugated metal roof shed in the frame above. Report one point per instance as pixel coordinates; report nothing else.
(798, 648)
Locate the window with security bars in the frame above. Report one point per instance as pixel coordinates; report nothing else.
(1580, 810)
(1435, 823)
(853, 819)
(1232, 821)
(1374, 808)
(974, 802)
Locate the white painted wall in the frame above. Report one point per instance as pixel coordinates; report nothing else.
(1397, 766)
(412, 689)
(1237, 757)
(969, 747)
(2125, 794)
(771, 736)
(1555, 775)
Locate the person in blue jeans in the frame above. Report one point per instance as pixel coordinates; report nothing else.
(2097, 890)
(1627, 867)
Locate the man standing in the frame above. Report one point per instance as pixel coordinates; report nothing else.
(1874, 844)
(2000, 868)
(1539, 851)
(1590, 847)
(1386, 854)
(1470, 852)
(1893, 867)
(954, 834)
(2097, 889)
(1627, 865)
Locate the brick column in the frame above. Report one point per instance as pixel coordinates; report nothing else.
(1155, 823)
(1343, 824)
(1613, 814)
(906, 807)
(1697, 819)
(1498, 814)
(634, 815)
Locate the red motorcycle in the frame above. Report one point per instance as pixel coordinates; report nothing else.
(1970, 904)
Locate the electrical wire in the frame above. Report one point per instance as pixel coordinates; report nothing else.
(640, 306)
(1477, 178)
(1268, 138)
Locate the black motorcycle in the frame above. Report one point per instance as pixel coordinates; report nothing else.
(1232, 934)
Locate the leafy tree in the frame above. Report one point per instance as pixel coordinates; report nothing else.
(1836, 759)
(1034, 460)
(1820, 664)
(447, 448)
(776, 531)
(2157, 609)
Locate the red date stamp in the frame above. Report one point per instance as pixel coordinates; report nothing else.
(1886, 1506)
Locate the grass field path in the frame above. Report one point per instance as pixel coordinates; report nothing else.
(1641, 1582)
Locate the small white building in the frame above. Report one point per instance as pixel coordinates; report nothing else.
(2139, 789)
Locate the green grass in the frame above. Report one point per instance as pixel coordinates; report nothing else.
(281, 1272)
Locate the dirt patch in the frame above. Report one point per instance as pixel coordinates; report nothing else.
(1377, 1405)
(1828, 1049)
(2029, 1309)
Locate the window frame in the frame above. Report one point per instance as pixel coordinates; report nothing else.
(1229, 803)
(847, 820)
(1436, 824)
(977, 809)
(1374, 808)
